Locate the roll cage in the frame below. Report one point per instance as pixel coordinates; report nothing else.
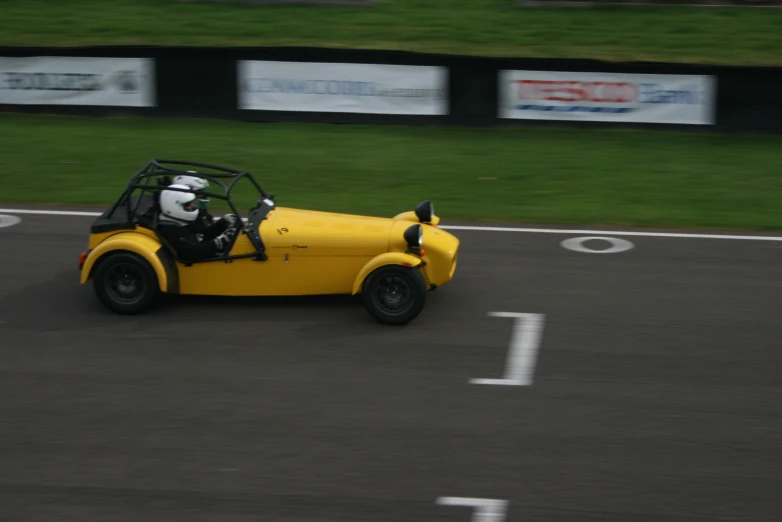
(139, 202)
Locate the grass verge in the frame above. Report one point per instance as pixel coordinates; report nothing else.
(613, 177)
(732, 35)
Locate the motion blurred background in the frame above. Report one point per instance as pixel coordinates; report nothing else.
(716, 74)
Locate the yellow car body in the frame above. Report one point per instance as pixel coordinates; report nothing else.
(306, 253)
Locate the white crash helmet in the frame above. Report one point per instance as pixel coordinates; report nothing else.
(195, 184)
(181, 206)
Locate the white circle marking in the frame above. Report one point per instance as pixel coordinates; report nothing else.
(9, 221)
(577, 245)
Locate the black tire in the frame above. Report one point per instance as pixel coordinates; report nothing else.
(385, 285)
(137, 282)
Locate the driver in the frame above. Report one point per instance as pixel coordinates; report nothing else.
(204, 220)
(192, 241)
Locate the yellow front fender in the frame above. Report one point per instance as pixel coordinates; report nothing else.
(146, 247)
(388, 258)
(410, 216)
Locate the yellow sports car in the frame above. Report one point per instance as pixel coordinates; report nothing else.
(271, 251)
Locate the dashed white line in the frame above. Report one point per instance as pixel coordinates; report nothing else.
(684, 235)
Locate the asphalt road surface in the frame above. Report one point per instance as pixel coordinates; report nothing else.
(655, 392)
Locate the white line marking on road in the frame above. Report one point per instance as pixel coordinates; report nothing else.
(686, 235)
(9, 221)
(486, 509)
(49, 212)
(523, 351)
(612, 232)
(577, 245)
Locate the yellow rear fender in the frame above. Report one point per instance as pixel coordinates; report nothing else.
(388, 258)
(151, 250)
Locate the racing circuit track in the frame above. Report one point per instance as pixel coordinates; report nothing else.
(653, 392)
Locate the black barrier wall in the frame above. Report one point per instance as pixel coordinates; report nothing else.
(204, 82)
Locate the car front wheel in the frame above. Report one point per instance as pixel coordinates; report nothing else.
(394, 295)
(125, 283)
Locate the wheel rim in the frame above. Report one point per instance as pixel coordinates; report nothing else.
(124, 283)
(393, 295)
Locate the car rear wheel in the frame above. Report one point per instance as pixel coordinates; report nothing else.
(125, 283)
(394, 295)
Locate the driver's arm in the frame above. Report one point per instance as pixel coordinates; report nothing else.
(228, 221)
(187, 245)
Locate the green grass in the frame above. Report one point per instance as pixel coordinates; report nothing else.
(731, 35)
(616, 177)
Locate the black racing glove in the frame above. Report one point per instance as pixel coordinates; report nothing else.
(224, 240)
(230, 219)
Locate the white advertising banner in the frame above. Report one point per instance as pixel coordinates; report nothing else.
(71, 80)
(342, 87)
(614, 97)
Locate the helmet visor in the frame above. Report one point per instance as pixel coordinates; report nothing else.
(190, 206)
(203, 201)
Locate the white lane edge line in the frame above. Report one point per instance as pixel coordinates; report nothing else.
(612, 233)
(49, 212)
(480, 228)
